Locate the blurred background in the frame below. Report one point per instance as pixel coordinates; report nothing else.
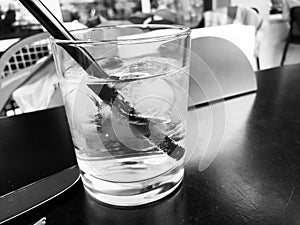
(16, 22)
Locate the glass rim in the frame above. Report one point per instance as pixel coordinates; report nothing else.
(181, 31)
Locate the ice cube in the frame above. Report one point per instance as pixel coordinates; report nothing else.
(150, 98)
(86, 114)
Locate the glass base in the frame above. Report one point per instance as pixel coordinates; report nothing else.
(132, 193)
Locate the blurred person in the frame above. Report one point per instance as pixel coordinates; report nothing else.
(96, 16)
(111, 9)
(94, 19)
(165, 13)
(102, 9)
(286, 7)
(123, 9)
(193, 12)
(197, 8)
(69, 12)
(1, 21)
(169, 4)
(154, 4)
(1, 13)
(10, 17)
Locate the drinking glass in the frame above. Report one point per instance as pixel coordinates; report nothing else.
(128, 125)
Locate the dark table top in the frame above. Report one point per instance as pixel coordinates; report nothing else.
(254, 178)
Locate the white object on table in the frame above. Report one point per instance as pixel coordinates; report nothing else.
(37, 95)
(243, 36)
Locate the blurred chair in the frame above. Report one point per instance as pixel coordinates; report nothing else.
(17, 64)
(294, 33)
(236, 15)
